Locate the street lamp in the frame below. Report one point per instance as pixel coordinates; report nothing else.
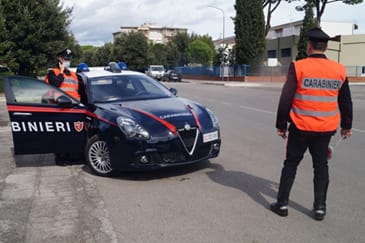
(211, 6)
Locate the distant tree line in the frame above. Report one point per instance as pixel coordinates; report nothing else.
(138, 52)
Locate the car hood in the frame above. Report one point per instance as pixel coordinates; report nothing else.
(174, 110)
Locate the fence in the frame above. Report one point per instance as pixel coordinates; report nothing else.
(248, 71)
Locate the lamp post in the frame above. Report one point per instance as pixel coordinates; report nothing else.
(222, 62)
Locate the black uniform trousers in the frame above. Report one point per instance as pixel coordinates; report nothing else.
(297, 144)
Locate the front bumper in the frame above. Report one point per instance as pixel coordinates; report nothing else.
(145, 156)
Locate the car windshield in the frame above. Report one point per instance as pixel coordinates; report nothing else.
(126, 87)
(157, 69)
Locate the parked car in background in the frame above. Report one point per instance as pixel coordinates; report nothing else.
(4, 69)
(156, 71)
(172, 76)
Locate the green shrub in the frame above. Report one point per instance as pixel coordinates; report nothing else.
(1, 79)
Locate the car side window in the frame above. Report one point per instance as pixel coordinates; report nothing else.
(31, 91)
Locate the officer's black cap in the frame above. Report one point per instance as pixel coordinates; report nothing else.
(318, 35)
(65, 54)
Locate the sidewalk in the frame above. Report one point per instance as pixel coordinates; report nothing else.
(41, 202)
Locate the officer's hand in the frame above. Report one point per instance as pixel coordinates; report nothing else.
(282, 133)
(346, 133)
(62, 66)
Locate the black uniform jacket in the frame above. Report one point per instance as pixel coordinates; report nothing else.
(288, 92)
(56, 80)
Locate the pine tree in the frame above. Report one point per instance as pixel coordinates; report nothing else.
(249, 31)
(32, 32)
(308, 23)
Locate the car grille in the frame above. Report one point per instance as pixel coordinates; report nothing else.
(172, 157)
(202, 151)
(178, 156)
(189, 138)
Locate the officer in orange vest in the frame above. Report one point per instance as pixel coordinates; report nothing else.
(66, 80)
(314, 100)
(62, 77)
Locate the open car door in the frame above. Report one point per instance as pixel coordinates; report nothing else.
(43, 118)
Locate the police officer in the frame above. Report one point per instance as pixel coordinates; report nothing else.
(62, 77)
(314, 100)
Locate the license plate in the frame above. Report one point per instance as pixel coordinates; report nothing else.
(208, 137)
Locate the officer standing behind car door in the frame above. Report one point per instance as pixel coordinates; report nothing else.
(314, 100)
(62, 77)
(66, 80)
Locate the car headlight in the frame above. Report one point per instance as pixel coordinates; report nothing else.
(213, 118)
(132, 129)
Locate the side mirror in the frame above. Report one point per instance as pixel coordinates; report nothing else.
(173, 91)
(64, 101)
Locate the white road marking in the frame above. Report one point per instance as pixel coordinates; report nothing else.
(256, 109)
(358, 130)
(226, 103)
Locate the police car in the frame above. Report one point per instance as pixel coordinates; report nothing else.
(124, 121)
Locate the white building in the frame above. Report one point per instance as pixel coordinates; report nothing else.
(331, 28)
(345, 47)
(154, 33)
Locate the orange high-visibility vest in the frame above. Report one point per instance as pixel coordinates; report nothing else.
(70, 83)
(315, 105)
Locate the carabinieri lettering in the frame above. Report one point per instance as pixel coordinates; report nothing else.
(316, 83)
(40, 127)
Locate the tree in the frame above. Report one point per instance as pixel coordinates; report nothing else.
(88, 52)
(320, 6)
(33, 32)
(103, 55)
(308, 23)
(271, 6)
(132, 48)
(250, 31)
(208, 40)
(219, 56)
(5, 56)
(177, 48)
(200, 52)
(158, 54)
(173, 56)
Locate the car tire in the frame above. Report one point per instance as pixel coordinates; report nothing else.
(98, 157)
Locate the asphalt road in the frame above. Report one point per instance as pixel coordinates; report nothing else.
(225, 199)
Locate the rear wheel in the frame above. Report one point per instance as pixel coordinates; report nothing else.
(98, 156)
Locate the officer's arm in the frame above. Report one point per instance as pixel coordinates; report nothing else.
(81, 90)
(55, 80)
(286, 98)
(345, 105)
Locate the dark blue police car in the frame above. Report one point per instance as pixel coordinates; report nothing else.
(125, 120)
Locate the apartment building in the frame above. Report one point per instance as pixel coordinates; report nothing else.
(153, 32)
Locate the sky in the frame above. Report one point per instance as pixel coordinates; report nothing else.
(94, 21)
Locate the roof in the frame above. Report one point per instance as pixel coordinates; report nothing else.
(100, 71)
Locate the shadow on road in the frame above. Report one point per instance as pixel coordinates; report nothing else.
(162, 173)
(39, 160)
(253, 186)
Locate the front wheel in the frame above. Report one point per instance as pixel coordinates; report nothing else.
(98, 156)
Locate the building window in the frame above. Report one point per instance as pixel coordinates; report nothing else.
(271, 54)
(286, 52)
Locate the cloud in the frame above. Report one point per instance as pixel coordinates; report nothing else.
(94, 21)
